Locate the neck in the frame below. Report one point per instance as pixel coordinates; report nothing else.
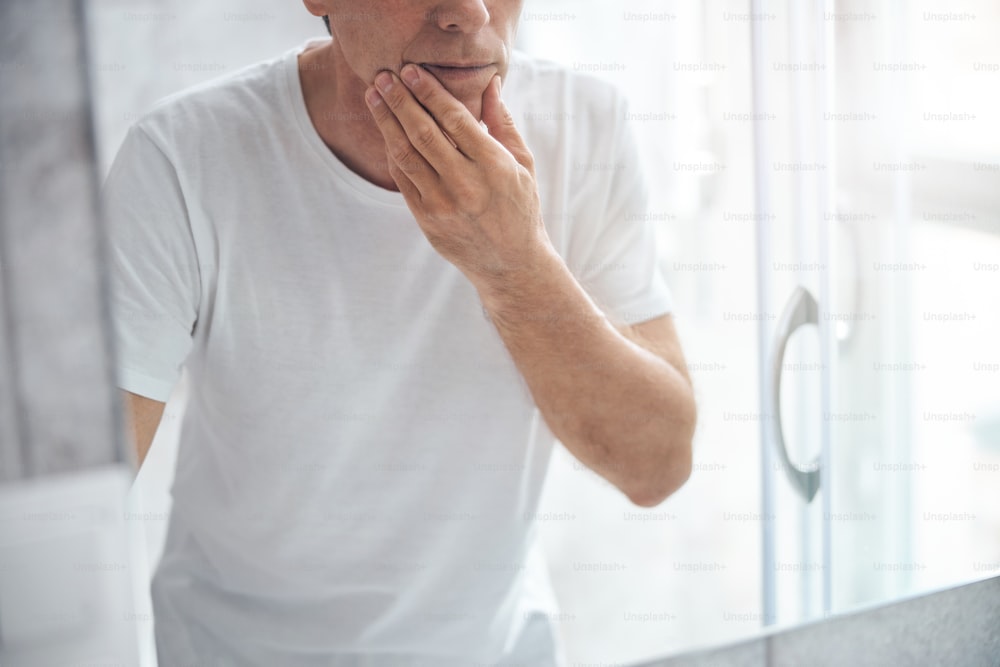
(334, 98)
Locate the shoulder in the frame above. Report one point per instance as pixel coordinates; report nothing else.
(542, 87)
(566, 115)
(574, 121)
(225, 107)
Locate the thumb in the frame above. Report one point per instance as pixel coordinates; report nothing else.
(500, 124)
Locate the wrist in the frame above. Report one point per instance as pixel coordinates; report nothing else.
(544, 294)
(521, 281)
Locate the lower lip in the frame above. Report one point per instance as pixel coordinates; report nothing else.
(457, 73)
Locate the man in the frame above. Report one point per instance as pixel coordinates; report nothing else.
(390, 303)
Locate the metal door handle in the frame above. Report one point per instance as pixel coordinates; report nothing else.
(801, 309)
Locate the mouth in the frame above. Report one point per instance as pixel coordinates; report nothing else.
(458, 71)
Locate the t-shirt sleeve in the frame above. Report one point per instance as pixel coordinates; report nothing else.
(153, 268)
(621, 266)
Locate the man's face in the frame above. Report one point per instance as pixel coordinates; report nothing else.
(461, 42)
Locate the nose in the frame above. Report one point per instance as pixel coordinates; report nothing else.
(460, 16)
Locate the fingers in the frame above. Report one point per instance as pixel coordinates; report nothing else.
(423, 131)
(501, 125)
(398, 147)
(406, 186)
(450, 114)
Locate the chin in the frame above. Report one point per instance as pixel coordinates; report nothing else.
(471, 96)
(475, 108)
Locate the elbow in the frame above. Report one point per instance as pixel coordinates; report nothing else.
(668, 481)
(669, 471)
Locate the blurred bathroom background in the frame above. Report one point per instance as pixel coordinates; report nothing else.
(879, 194)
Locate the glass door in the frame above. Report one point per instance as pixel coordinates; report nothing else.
(801, 151)
(793, 177)
(876, 225)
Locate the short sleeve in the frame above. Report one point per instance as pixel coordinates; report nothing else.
(154, 275)
(621, 267)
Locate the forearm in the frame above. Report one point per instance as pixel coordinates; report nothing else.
(623, 411)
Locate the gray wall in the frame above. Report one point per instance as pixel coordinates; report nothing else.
(58, 409)
(144, 50)
(65, 575)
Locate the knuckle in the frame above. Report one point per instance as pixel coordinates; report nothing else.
(500, 163)
(465, 195)
(394, 99)
(404, 157)
(454, 120)
(424, 137)
(471, 201)
(436, 207)
(529, 159)
(380, 113)
(430, 96)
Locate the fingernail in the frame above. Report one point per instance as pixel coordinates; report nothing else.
(384, 81)
(374, 99)
(410, 75)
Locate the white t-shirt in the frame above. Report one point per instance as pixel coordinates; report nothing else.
(360, 460)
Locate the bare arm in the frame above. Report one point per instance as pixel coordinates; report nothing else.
(618, 398)
(142, 416)
(624, 410)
